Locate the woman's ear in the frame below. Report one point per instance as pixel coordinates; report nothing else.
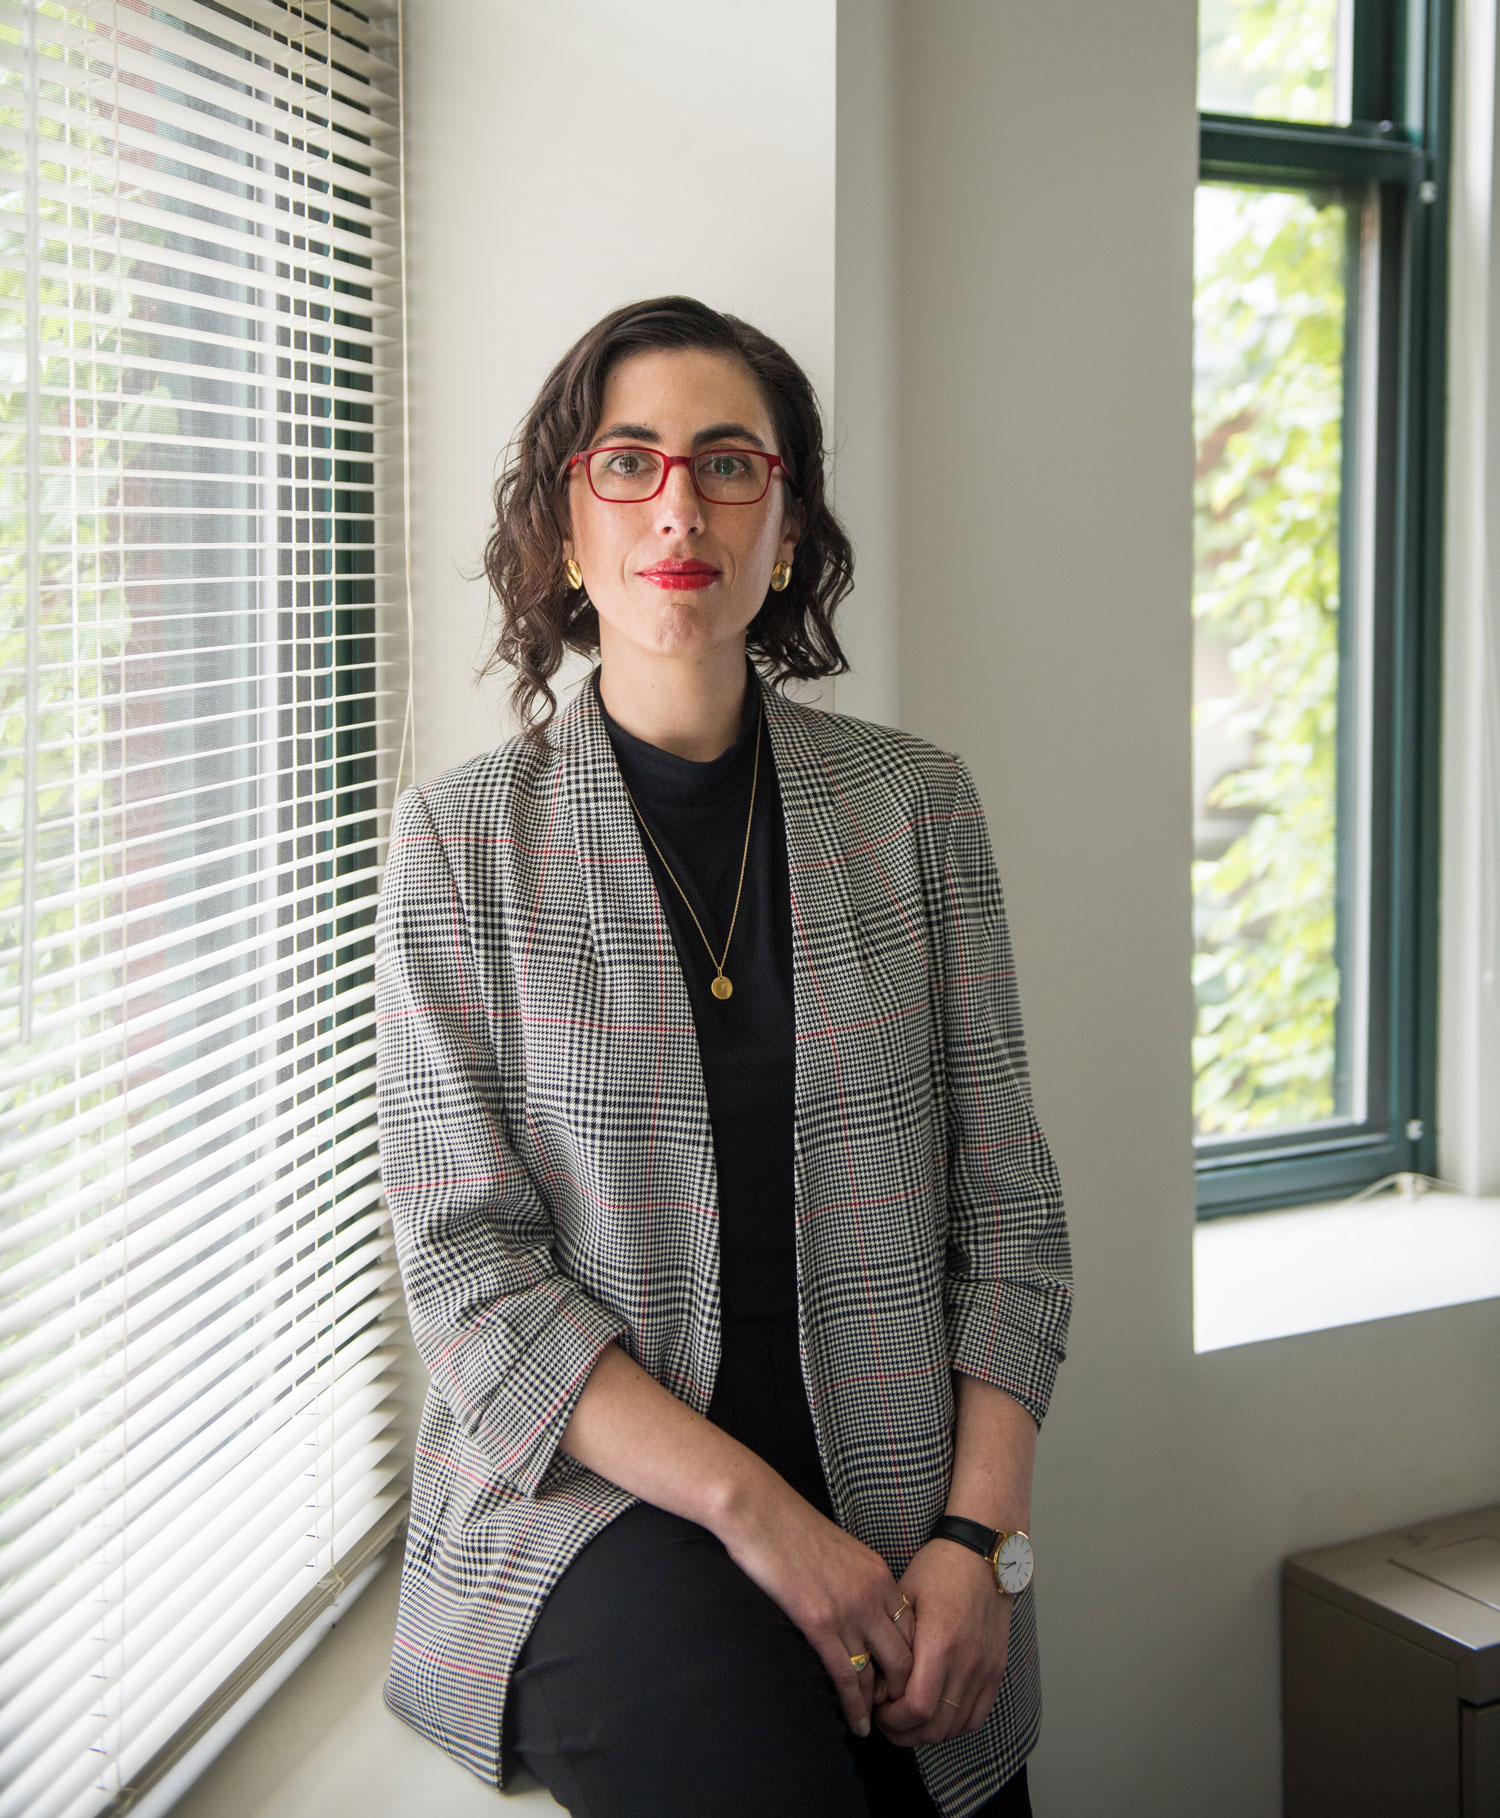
(793, 522)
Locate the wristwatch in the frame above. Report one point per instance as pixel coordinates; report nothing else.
(1008, 1552)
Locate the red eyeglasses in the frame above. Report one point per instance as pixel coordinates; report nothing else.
(720, 476)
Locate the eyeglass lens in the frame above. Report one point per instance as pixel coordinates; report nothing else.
(736, 476)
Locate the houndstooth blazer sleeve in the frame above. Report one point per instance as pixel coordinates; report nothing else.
(1007, 1263)
(508, 1339)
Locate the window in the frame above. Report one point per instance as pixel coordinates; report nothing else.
(1320, 241)
(197, 312)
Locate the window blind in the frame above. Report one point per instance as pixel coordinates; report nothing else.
(200, 334)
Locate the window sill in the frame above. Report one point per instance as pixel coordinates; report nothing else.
(1310, 1268)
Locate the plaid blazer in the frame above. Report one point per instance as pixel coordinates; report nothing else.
(548, 1161)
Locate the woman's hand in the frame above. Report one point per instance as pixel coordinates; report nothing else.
(959, 1643)
(837, 1590)
(841, 1595)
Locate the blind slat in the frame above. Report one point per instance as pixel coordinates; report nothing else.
(89, 1348)
(159, 78)
(100, 1060)
(339, 967)
(280, 1124)
(164, 1490)
(161, 1520)
(199, 1046)
(269, 1329)
(153, 876)
(258, 1311)
(199, 1277)
(139, 1147)
(112, 935)
(117, 1220)
(253, 232)
(272, 1581)
(269, 1401)
(257, 1612)
(158, 1560)
(157, 30)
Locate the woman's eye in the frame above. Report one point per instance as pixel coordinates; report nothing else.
(725, 466)
(626, 464)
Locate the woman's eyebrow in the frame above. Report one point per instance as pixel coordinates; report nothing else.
(716, 432)
(721, 432)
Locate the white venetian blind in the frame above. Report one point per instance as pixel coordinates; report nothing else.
(200, 332)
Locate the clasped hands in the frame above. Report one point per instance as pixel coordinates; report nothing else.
(958, 1629)
(932, 1675)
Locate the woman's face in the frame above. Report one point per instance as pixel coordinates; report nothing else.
(681, 401)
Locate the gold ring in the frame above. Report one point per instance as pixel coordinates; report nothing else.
(954, 1702)
(859, 1662)
(905, 1606)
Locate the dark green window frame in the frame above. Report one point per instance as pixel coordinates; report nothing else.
(1398, 140)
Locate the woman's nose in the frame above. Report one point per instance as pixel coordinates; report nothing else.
(678, 506)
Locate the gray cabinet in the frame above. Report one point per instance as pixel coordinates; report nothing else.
(1390, 1670)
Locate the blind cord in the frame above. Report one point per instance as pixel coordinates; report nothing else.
(1410, 1185)
(120, 309)
(33, 517)
(409, 719)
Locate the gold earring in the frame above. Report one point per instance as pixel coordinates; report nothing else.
(780, 575)
(574, 573)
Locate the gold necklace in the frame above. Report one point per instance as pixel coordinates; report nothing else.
(721, 987)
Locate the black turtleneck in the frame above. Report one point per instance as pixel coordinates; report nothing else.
(696, 813)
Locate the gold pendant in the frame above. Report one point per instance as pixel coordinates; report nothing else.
(721, 986)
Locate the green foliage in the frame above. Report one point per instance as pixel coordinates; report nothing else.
(1274, 59)
(1269, 422)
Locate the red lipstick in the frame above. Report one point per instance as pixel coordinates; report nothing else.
(684, 575)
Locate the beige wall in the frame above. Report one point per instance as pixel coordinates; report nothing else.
(1012, 312)
(866, 327)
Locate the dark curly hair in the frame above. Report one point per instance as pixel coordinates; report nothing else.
(541, 617)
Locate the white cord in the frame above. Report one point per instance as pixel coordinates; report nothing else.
(1410, 1186)
(408, 721)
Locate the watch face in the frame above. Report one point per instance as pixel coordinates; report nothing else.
(1013, 1563)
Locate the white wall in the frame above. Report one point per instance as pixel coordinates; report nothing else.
(562, 160)
(1011, 307)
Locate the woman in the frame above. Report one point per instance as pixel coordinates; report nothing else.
(727, 1233)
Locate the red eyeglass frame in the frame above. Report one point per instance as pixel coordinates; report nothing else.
(668, 463)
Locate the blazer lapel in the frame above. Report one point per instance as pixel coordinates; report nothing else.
(623, 907)
(667, 1178)
(861, 981)
(827, 955)
(641, 976)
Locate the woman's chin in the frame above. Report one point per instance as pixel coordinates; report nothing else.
(683, 625)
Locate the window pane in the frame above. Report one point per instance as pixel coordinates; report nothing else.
(1276, 59)
(197, 212)
(1278, 841)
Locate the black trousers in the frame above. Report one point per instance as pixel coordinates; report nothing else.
(660, 1682)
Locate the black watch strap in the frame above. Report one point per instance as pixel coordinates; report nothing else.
(972, 1534)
